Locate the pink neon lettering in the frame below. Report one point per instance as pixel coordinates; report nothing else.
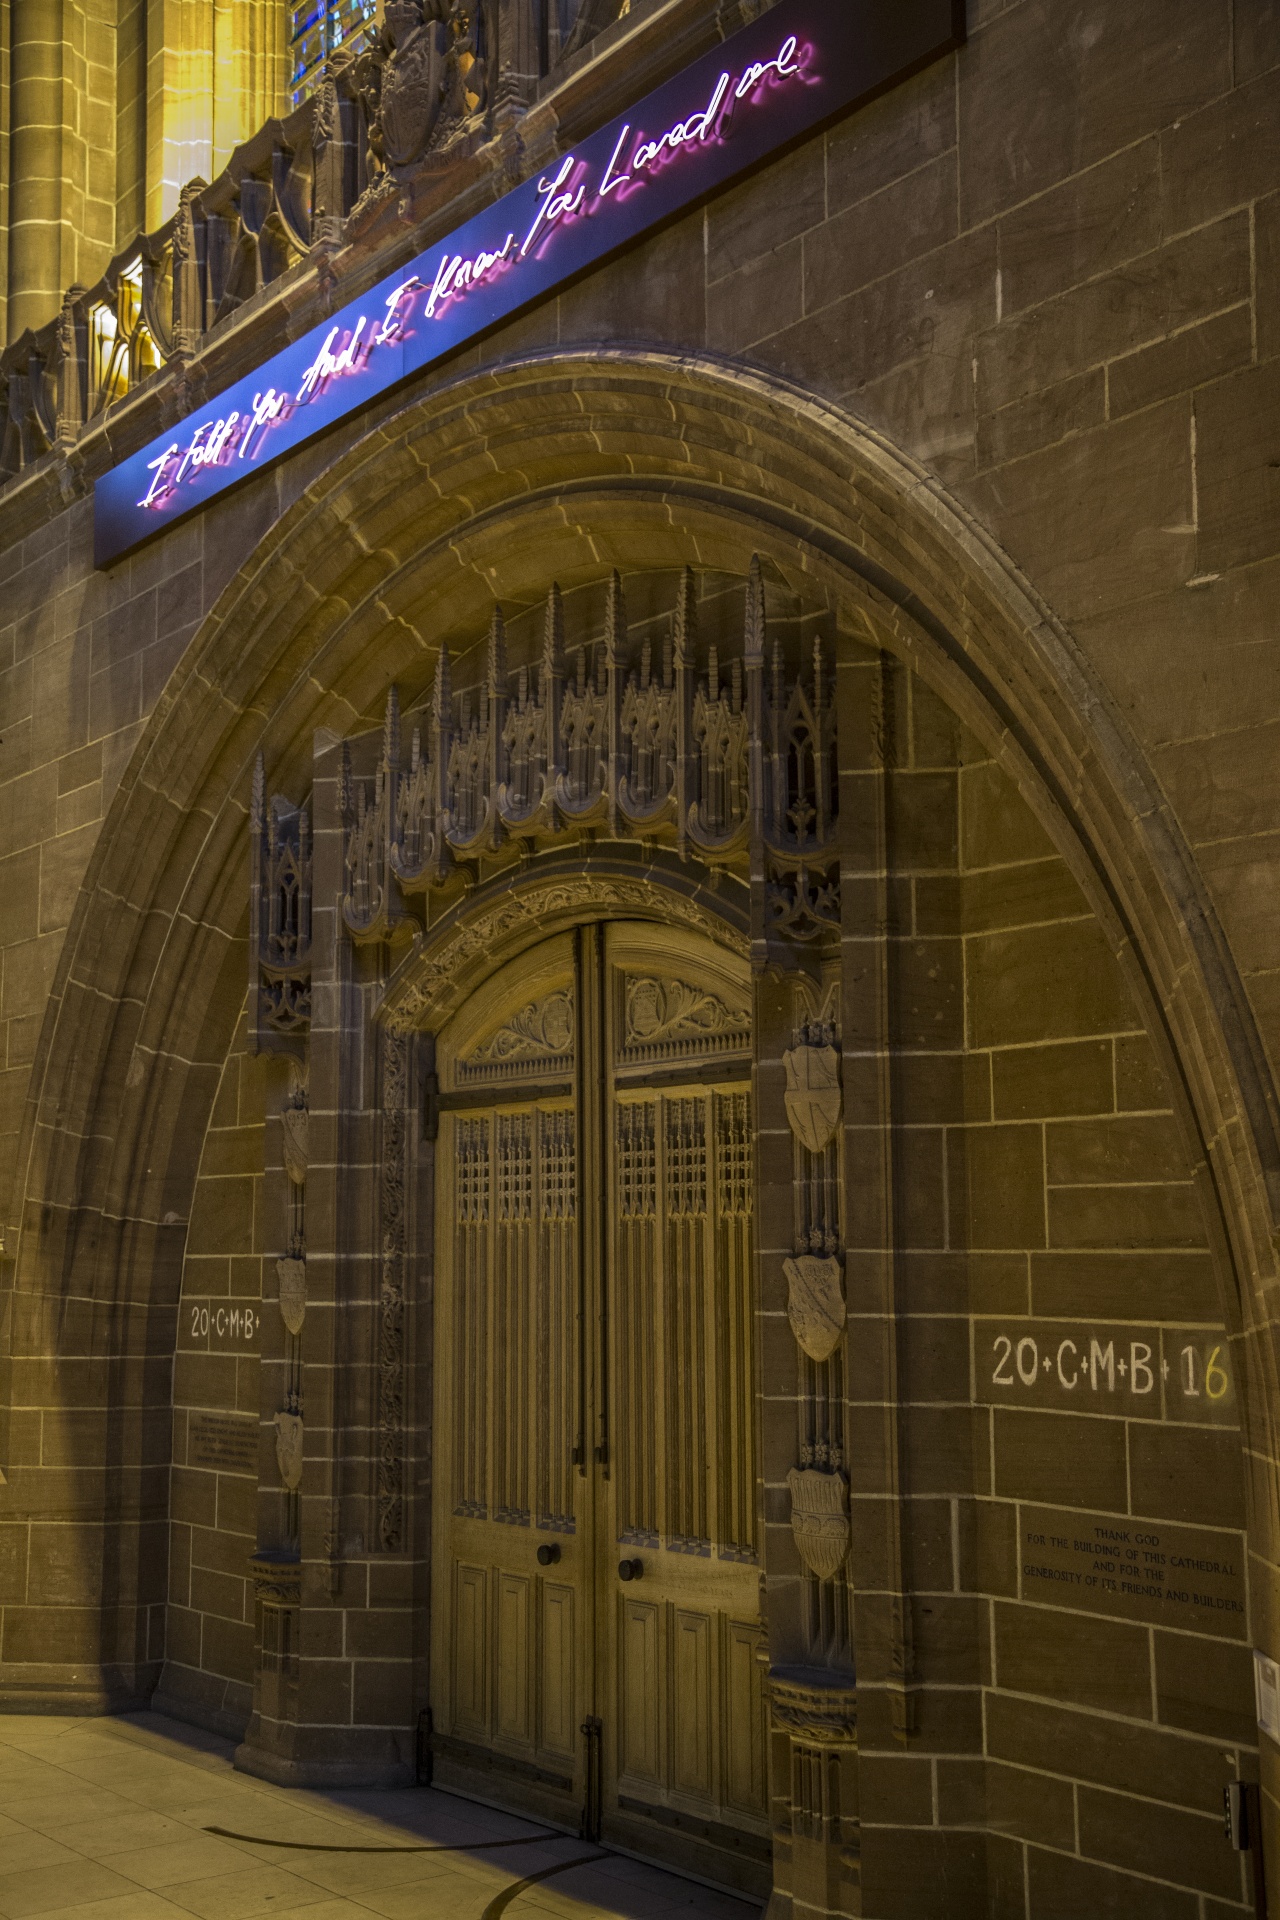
(394, 322)
(556, 206)
(159, 485)
(214, 442)
(457, 275)
(267, 407)
(784, 64)
(327, 365)
(612, 181)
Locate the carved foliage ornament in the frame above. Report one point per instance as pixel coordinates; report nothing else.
(541, 1032)
(820, 1519)
(815, 1305)
(660, 1013)
(813, 1093)
(815, 1707)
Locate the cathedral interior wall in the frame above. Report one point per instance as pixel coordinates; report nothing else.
(1074, 330)
(213, 1489)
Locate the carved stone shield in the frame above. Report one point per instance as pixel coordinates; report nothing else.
(289, 1449)
(813, 1094)
(292, 1275)
(820, 1519)
(294, 1123)
(815, 1306)
(414, 81)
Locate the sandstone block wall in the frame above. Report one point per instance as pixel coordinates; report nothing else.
(1049, 270)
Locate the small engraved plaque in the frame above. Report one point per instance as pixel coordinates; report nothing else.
(227, 1442)
(1149, 1570)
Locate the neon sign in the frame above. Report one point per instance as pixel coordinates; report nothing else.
(772, 83)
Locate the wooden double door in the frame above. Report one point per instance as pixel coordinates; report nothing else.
(596, 1642)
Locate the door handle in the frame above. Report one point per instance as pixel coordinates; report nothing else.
(548, 1555)
(631, 1569)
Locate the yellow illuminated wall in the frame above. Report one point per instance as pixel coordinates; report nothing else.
(107, 109)
(216, 70)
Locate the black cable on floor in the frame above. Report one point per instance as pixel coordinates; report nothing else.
(499, 1904)
(316, 1846)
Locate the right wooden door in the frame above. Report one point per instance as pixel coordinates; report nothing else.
(678, 1571)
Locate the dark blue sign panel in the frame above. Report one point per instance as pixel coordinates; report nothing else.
(775, 81)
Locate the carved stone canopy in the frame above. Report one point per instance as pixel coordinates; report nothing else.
(277, 1576)
(815, 1704)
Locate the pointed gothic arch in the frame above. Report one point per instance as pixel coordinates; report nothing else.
(542, 466)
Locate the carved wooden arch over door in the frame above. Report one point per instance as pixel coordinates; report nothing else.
(596, 1627)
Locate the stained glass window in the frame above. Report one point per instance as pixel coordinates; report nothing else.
(319, 28)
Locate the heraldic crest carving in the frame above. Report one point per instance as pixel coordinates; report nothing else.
(295, 1128)
(815, 1306)
(291, 1272)
(820, 1519)
(813, 1092)
(289, 1449)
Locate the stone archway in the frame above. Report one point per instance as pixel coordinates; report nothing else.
(547, 466)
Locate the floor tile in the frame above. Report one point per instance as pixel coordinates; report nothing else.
(70, 1883)
(247, 1895)
(134, 1905)
(24, 1849)
(197, 1856)
(106, 1820)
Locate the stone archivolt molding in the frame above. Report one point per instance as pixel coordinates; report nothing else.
(532, 464)
(511, 914)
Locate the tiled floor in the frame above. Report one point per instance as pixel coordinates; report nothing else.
(108, 1819)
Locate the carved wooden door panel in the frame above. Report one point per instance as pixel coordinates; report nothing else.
(596, 1625)
(678, 1545)
(511, 1668)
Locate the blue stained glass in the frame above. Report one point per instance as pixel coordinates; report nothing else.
(317, 29)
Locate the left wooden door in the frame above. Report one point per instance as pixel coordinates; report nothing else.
(513, 1654)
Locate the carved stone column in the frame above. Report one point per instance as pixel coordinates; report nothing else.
(883, 1650)
(818, 1712)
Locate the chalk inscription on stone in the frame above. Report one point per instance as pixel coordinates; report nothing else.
(219, 1326)
(1154, 1372)
(227, 1442)
(1163, 1575)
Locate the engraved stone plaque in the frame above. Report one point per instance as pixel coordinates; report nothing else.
(1148, 1570)
(227, 1442)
